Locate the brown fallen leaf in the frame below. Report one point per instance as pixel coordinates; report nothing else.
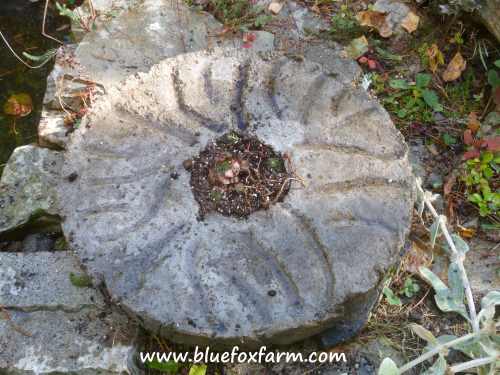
(377, 20)
(275, 7)
(417, 257)
(455, 68)
(473, 123)
(466, 232)
(18, 105)
(410, 22)
(435, 56)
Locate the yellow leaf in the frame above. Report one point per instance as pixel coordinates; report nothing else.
(435, 56)
(455, 68)
(410, 22)
(18, 105)
(377, 20)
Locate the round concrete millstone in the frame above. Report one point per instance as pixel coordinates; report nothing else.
(312, 262)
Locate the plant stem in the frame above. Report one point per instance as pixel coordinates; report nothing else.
(459, 260)
(436, 350)
(471, 364)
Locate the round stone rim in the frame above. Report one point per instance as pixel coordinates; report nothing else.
(128, 221)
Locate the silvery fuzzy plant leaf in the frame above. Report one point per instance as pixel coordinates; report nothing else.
(438, 368)
(388, 367)
(448, 299)
(423, 333)
(488, 304)
(435, 228)
(460, 244)
(491, 299)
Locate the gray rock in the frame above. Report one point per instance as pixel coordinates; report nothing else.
(42, 280)
(50, 326)
(324, 250)
(51, 130)
(129, 36)
(396, 12)
(49, 342)
(27, 186)
(489, 12)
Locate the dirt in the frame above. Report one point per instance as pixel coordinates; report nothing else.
(236, 175)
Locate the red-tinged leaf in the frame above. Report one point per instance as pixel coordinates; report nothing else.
(471, 154)
(468, 138)
(363, 60)
(372, 64)
(18, 105)
(247, 45)
(249, 37)
(492, 144)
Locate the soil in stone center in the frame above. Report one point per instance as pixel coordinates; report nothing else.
(237, 174)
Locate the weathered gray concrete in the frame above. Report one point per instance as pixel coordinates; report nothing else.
(324, 250)
(27, 186)
(129, 36)
(48, 325)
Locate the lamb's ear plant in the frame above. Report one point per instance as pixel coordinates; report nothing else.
(482, 343)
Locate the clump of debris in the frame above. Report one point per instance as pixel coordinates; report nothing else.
(237, 174)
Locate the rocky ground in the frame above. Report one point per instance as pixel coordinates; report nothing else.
(54, 320)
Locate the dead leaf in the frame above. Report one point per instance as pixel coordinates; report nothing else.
(492, 144)
(451, 179)
(357, 47)
(410, 22)
(468, 138)
(471, 154)
(416, 258)
(466, 232)
(377, 20)
(455, 68)
(473, 124)
(275, 7)
(19, 105)
(435, 56)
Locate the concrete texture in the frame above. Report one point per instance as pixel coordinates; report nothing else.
(308, 264)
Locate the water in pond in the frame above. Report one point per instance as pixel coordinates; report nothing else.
(21, 25)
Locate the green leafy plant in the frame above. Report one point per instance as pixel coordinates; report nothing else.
(391, 297)
(344, 25)
(478, 175)
(410, 287)
(169, 367)
(413, 100)
(493, 76)
(482, 344)
(65, 11)
(239, 15)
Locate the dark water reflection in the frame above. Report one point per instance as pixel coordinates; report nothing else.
(21, 24)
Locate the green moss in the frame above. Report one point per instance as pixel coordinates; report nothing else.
(80, 281)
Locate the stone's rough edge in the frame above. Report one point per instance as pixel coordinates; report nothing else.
(27, 186)
(54, 326)
(104, 106)
(61, 342)
(41, 281)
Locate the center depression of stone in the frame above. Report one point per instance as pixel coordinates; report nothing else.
(236, 175)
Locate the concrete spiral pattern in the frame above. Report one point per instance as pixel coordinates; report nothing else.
(309, 263)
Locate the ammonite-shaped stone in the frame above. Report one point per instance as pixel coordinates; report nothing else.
(312, 262)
